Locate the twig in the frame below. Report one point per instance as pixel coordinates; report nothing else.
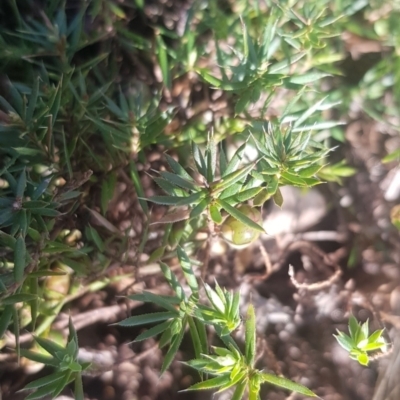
(314, 286)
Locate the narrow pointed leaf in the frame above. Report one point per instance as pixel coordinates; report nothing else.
(278, 198)
(210, 383)
(40, 358)
(44, 381)
(147, 318)
(239, 216)
(199, 209)
(18, 298)
(287, 384)
(154, 331)
(19, 259)
(187, 270)
(239, 391)
(177, 180)
(231, 178)
(173, 281)
(177, 168)
(250, 335)
(215, 214)
(5, 319)
(168, 303)
(78, 387)
(171, 353)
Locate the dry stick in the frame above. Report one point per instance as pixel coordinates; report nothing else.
(316, 254)
(267, 261)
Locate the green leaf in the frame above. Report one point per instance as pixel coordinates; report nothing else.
(309, 171)
(345, 341)
(18, 298)
(94, 235)
(211, 158)
(107, 192)
(199, 160)
(173, 281)
(178, 169)
(292, 178)
(197, 343)
(245, 195)
(375, 336)
(147, 318)
(212, 80)
(21, 185)
(278, 198)
(7, 240)
(165, 337)
(5, 319)
(192, 199)
(72, 340)
(373, 346)
(393, 156)
(187, 270)
(138, 187)
(44, 381)
(43, 391)
(199, 209)
(354, 327)
(261, 197)
(210, 383)
(239, 391)
(40, 358)
(250, 336)
(363, 359)
(51, 347)
(62, 383)
(166, 200)
(364, 331)
(169, 188)
(157, 254)
(237, 379)
(307, 78)
(230, 179)
(234, 306)
(154, 331)
(176, 342)
(215, 214)
(239, 215)
(78, 387)
(34, 204)
(286, 384)
(19, 259)
(45, 212)
(215, 300)
(223, 163)
(167, 302)
(178, 181)
(163, 61)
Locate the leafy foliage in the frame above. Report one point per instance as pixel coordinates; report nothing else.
(360, 343)
(75, 117)
(230, 367)
(64, 360)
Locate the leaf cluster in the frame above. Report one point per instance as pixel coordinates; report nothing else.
(229, 366)
(359, 343)
(66, 363)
